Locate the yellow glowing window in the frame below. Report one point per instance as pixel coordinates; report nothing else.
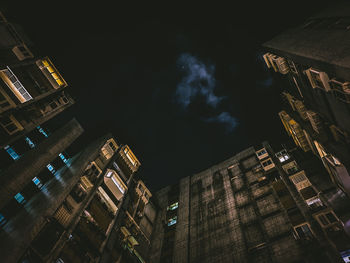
(46, 63)
(50, 69)
(59, 82)
(55, 76)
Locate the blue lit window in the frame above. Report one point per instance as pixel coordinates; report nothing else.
(51, 168)
(63, 158)
(173, 206)
(19, 198)
(2, 220)
(41, 130)
(37, 182)
(172, 221)
(30, 142)
(11, 152)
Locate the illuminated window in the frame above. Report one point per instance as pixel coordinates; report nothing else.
(172, 221)
(15, 85)
(11, 152)
(314, 202)
(41, 130)
(20, 198)
(173, 206)
(120, 187)
(51, 168)
(109, 174)
(37, 182)
(63, 158)
(282, 156)
(30, 142)
(2, 220)
(50, 68)
(129, 154)
(10, 124)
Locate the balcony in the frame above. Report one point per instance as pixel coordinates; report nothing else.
(318, 79)
(341, 90)
(15, 85)
(278, 64)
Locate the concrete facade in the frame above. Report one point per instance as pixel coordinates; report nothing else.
(233, 212)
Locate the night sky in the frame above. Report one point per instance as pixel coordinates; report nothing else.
(184, 86)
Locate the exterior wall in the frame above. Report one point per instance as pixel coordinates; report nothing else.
(231, 213)
(23, 171)
(19, 232)
(319, 46)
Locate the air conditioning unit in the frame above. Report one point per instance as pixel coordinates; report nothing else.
(318, 79)
(22, 52)
(315, 121)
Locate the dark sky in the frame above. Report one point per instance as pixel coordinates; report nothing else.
(184, 86)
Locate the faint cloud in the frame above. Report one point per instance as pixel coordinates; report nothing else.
(198, 80)
(224, 118)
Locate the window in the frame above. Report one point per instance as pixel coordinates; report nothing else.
(130, 155)
(341, 90)
(314, 202)
(304, 231)
(51, 168)
(4, 101)
(282, 156)
(173, 206)
(327, 218)
(292, 170)
(53, 105)
(30, 142)
(261, 152)
(48, 68)
(63, 158)
(10, 124)
(2, 220)
(111, 144)
(15, 85)
(267, 162)
(20, 198)
(11, 152)
(22, 52)
(120, 187)
(37, 182)
(172, 221)
(300, 180)
(41, 130)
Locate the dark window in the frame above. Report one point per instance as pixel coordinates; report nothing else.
(331, 217)
(53, 105)
(323, 220)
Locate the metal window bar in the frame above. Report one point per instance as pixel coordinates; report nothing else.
(18, 85)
